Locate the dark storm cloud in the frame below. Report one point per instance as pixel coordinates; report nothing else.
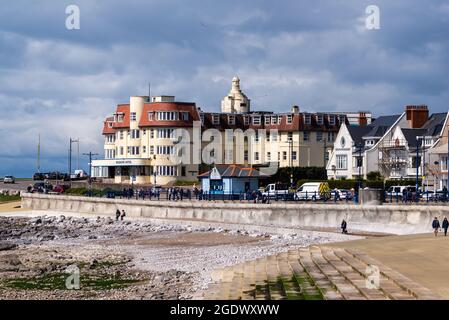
(316, 54)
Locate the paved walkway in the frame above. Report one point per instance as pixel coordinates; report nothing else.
(11, 207)
(422, 257)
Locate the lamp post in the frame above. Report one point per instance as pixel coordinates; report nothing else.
(324, 152)
(437, 164)
(359, 164)
(90, 154)
(417, 163)
(70, 154)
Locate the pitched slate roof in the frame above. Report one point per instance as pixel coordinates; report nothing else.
(375, 129)
(434, 126)
(381, 125)
(234, 171)
(357, 133)
(411, 134)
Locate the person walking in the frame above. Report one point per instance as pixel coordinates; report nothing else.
(445, 226)
(404, 195)
(435, 226)
(123, 215)
(344, 225)
(117, 215)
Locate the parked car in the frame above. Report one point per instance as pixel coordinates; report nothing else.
(343, 194)
(397, 191)
(437, 195)
(9, 179)
(42, 187)
(313, 191)
(60, 188)
(38, 176)
(54, 176)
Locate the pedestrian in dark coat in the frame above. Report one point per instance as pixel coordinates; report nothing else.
(123, 215)
(344, 225)
(117, 215)
(436, 226)
(445, 225)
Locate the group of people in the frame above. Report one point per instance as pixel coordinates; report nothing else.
(119, 215)
(436, 226)
(177, 193)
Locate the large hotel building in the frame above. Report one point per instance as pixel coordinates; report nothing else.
(141, 136)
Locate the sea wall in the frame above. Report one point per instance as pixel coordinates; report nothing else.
(397, 219)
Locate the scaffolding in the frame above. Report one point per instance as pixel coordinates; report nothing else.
(393, 157)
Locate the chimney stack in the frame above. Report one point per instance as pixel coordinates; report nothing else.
(417, 116)
(363, 121)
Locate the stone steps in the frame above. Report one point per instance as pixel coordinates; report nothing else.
(312, 273)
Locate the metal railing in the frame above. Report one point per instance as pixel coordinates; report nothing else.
(329, 197)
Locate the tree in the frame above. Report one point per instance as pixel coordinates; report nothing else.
(374, 176)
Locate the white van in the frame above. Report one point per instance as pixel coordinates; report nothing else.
(313, 191)
(397, 191)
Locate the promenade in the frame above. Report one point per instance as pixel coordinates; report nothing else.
(422, 257)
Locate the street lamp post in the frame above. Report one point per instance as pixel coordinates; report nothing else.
(417, 163)
(359, 164)
(90, 154)
(324, 153)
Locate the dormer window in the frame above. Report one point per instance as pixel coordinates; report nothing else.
(185, 116)
(150, 116)
(110, 124)
(202, 118)
(289, 119)
(332, 120)
(231, 120)
(320, 119)
(342, 119)
(120, 117)
(274, 120)
(256, 120)
(246, 120)
(267, 121)
(215, 119)
(307, 119)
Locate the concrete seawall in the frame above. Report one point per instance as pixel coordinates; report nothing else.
(397, 219)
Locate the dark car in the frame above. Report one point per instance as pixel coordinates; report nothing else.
(42, 187)
(38, 176)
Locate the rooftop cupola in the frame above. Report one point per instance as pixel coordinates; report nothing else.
(236, 101)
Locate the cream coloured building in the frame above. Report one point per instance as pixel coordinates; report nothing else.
(140, 138)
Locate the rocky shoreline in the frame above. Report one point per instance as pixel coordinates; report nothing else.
(122, 259)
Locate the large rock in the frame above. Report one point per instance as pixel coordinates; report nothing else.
(5, 246)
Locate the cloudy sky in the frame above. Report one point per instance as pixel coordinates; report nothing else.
(316, 54)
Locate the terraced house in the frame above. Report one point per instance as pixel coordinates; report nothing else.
(141, 136)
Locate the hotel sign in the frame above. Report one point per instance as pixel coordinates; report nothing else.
(123, 162)
(120, 162)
